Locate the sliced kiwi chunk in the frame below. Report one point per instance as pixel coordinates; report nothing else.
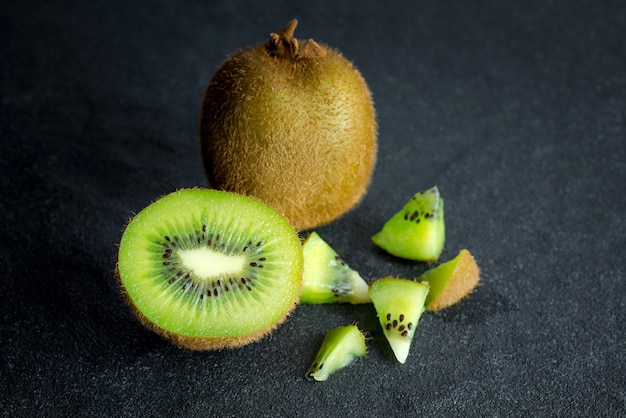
(417, 231)
(209, 269)
(341, 347)
(327, 278)
(451, 281)
(399, 305)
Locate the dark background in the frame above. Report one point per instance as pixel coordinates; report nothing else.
(515, 110)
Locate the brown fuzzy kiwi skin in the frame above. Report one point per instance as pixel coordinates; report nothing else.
(465, 280)
(292, 124)
(200, 343)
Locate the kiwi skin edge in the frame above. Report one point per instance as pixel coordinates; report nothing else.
(199, 343)
(293, 124)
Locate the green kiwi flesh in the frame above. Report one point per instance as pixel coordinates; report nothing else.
(417, 231)
(451, 281)
(399, 304)
(327, 278)
(209, 269)
(341, 347)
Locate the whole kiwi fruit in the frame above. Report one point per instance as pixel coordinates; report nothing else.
(292, 124)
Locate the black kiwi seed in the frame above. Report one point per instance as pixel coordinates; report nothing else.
(402, 329)
(340, 260)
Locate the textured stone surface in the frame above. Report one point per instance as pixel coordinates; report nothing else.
(515, 111)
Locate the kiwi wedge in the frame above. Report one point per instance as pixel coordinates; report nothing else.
(399, 304)
(209, 269)
(327, 278)
(451, 281)
(417, 231)
(341, 347)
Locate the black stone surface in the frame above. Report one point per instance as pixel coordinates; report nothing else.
(515, 110)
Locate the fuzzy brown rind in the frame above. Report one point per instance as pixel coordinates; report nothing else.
(295, 129)
(463, 281)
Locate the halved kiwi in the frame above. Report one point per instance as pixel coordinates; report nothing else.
(340, 348)
(209, 269)
(399, 305)
(327, 278)
(451, 281)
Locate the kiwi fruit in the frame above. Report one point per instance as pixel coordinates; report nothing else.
(451, 281)
(327, 278)
(399, 304)
(341, 347)
(291, 123)
(209, 269)
(417, 231)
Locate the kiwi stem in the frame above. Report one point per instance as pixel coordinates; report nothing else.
(287, 31)
(284, 46)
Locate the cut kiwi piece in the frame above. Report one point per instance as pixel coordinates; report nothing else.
(209, 269)
(327, 278)
(341, 347)
(399, 305)
(451, 281)
(417, 232)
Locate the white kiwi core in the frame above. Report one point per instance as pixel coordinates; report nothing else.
(206, 263)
